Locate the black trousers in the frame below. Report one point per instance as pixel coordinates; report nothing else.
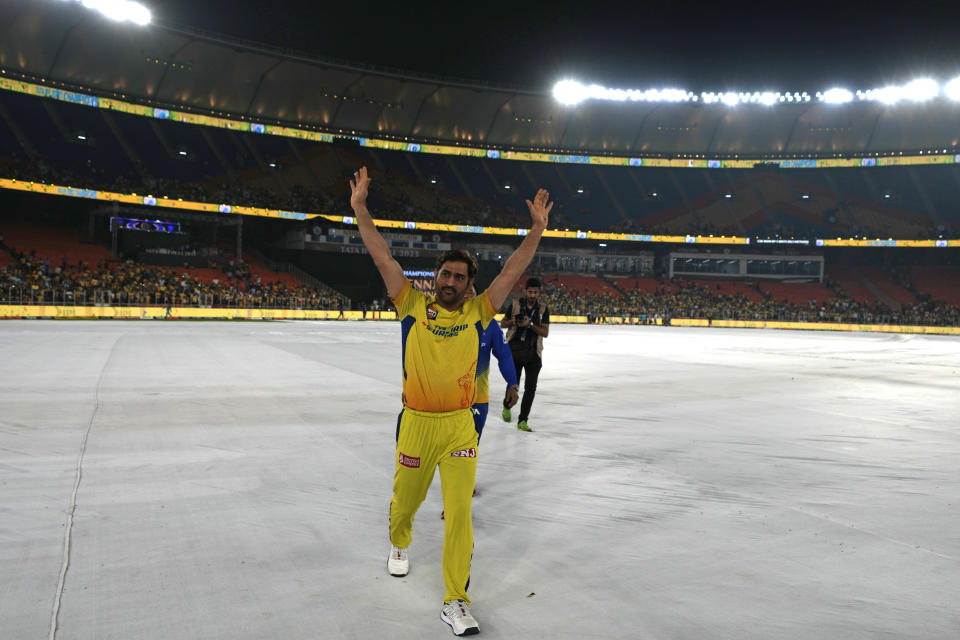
(532, 363)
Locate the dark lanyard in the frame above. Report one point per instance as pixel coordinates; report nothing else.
(523, 336)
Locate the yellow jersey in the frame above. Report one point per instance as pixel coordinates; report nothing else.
(440, 350)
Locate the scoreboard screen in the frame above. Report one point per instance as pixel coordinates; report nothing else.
(142, 224)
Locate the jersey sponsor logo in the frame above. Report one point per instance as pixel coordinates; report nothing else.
(465, 453)
(432, 312)
(409, 461)
(447, 332)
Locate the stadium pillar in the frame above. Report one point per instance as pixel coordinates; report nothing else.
(239, 238)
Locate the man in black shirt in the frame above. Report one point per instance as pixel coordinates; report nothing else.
(528, 323)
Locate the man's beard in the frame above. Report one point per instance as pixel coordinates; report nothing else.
(449, 295)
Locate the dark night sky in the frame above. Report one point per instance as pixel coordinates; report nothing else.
(724, 45)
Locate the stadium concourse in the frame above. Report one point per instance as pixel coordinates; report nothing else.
(231, 480)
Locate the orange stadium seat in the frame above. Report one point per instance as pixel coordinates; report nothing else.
(845, 278)
(797, 293)
(729, 288)
(268, 276)
(940, 283)
(883, 281)
(647, 285)
(53, 244)
(584, 284)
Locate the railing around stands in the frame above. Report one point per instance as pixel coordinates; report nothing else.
(108, 298)
(763, 316)
(296, 272)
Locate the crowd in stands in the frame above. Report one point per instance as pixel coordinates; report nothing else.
(397, 197)
(138, 180)
(31, 279)
(680, 299)
(402, 196)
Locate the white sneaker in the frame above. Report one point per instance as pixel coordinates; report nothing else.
(398, 564)
(457, 615)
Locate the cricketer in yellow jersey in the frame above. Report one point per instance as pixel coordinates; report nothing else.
(441, 342)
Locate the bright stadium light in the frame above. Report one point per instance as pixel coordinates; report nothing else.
(120, 10)
(573, 92)
(921, 90)
(888, 95)
(569, 92)
(915, 91)
(768, 98)
(952, 89)
(837, 96)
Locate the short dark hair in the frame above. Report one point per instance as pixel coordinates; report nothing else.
(460, 255)
(532, 282)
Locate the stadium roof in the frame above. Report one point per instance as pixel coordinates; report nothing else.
(172, 66)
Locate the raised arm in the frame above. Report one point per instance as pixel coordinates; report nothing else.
(520, 260)
(504, 356)
(390, 270)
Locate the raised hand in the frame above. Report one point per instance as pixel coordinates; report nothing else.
(358, 188)
(540, 209)
(517, 263)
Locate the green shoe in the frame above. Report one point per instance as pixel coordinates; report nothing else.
(506, 414)
(522, 425)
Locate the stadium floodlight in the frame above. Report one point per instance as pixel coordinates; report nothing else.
(921, 89)
(768, 98)
(952, 89)
(730, 99)
(888, 95)
(915, 91)
(572, 92)
(120, 10)
(837, 96)
(569, 92)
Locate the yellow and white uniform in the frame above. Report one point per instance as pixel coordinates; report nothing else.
(436, 428)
